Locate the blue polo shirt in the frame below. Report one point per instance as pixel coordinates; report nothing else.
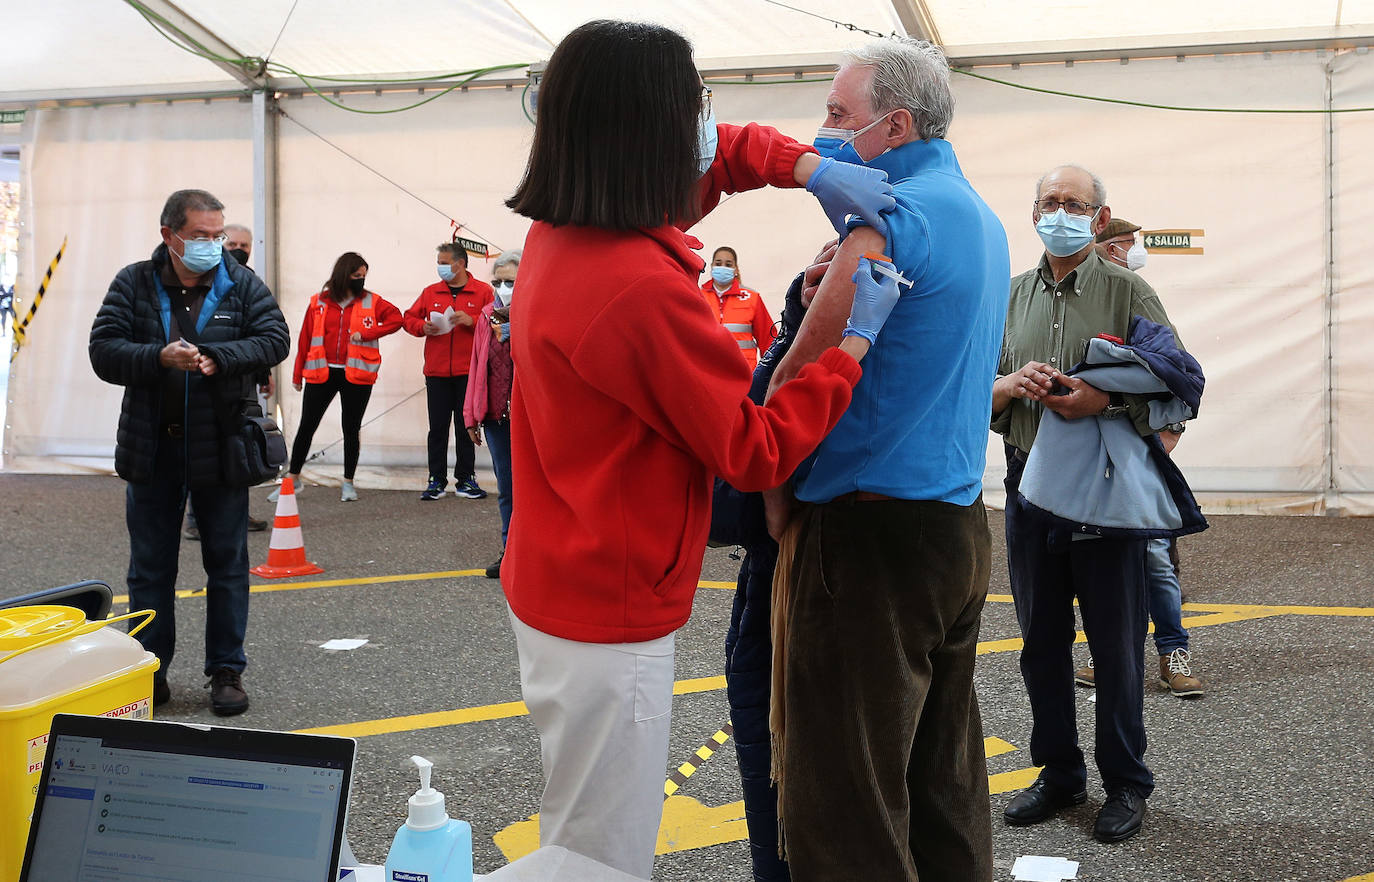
(917, 427)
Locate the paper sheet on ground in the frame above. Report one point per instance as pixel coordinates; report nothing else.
(340, 643)
(443, 320)
(1035, 868)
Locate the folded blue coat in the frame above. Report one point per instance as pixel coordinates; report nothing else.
(1097, 476)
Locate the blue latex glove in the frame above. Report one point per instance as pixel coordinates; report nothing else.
(503, 332)
(874, 297)
(843, 188)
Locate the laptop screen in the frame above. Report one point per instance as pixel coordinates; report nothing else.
(123, 800)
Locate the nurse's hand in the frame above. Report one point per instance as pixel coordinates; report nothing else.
(874, 299)
(843, 189)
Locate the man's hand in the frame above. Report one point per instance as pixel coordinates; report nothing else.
(267, 388)
(431, 329)
(1169, 440)
(1032, 382)
(779, 506)
(181, 356)
(475, 434)
(811, 278)
(844, 189)
(206, 365)
(462, 318)
(1083, 400)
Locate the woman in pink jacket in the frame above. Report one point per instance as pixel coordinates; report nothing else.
(486, 406)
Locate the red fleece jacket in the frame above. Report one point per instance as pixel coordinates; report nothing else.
(627, 400)
(336, 323)
(447, 355)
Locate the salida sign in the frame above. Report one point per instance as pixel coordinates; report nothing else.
(1172, 241)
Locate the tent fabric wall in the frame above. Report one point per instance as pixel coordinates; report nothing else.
(1251, 307)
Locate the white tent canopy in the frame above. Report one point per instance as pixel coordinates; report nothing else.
(1277, 307)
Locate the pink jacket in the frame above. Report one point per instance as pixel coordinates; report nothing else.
(475, 401)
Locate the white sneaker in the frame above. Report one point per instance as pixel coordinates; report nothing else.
(276, 491)
(348, 493)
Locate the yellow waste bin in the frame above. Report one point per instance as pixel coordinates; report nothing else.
(54, 661)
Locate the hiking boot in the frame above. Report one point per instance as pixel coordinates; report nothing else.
(192, 533)
(494, 571)
(256, 525)
(347, 493)
(468, 488)
(1085, 676)
(433, 491)
(227, 696)
(1176, 674)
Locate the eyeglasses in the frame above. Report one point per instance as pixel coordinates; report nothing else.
(218, 240)
(706, 100)
(1073, 206)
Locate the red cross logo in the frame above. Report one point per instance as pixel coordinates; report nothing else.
(367, 321)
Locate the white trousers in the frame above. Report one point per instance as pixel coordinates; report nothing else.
(603, 712)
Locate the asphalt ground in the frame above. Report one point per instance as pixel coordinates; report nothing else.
(1269, 777)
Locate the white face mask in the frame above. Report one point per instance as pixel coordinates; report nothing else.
(1135, 257)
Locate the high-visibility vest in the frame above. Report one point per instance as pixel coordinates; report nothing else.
(735, 308)
(364, 358)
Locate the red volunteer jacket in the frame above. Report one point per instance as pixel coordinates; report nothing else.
(448, 355)
(336, 323)
(627, 400)
(741, 311)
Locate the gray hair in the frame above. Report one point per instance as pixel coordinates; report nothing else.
(238, 228)
(1099, 191)
(507, 258)
(182, 201)
(910, 75)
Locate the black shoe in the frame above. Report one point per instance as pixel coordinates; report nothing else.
(494, 571)
(256, 525)
(1039, 802)
(192, 533)
(1121, 817)
(162, 693)
(227, 696)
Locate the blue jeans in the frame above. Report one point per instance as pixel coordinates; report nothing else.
(1166, 598)
(154, 512)
(498, 444)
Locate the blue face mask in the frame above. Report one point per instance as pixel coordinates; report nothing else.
(706, 142)
(838, 144)
(1065, 234)
(445, 272)
(722, 275)
(201, 255)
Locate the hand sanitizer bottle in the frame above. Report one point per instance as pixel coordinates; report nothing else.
(430, 846)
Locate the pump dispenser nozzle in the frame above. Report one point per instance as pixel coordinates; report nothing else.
(427, 804)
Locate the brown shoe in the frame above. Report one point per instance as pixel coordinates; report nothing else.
(1085, 676)
(1176, 674)
(227, 695)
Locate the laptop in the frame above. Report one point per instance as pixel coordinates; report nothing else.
(122, 800)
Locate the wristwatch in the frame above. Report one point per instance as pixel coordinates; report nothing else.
(1176, 428)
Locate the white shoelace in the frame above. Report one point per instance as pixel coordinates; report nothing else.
(1179, 663)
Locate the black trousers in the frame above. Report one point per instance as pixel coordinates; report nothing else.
(445, 397)
(353, 398)
(1108, 578)
(884, 774)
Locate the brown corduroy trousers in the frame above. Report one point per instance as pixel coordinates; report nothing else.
(883, 764)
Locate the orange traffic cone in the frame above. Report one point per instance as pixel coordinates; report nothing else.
(286, 554)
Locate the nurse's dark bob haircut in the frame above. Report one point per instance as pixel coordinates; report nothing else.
(615, 138)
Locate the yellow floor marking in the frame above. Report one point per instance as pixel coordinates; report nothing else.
(1006, 782)
(1367, 877)
(996, 747)
(268, 587)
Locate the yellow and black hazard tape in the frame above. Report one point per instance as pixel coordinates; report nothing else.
(19, 335)
(707, 750)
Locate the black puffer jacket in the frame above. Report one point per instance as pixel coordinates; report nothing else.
(244, 333)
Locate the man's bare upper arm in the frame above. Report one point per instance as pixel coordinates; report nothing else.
(825, 319)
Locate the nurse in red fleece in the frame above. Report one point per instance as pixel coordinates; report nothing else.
(628, 398)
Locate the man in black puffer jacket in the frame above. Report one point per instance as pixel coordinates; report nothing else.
(177, 394)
